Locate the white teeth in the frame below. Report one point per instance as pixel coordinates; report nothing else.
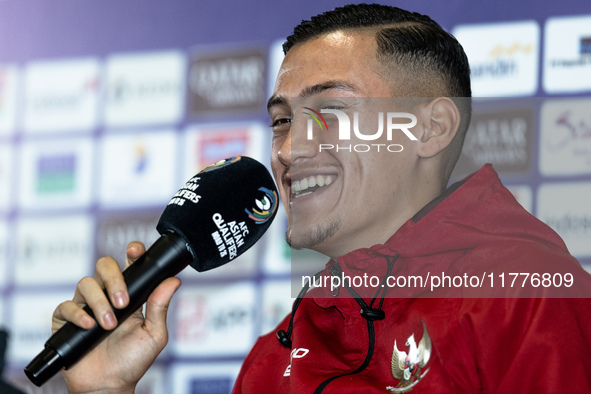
(298, 187)
(304, 184)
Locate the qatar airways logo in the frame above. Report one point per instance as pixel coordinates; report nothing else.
(395, 122)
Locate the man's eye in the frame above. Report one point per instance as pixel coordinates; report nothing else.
(280, 122)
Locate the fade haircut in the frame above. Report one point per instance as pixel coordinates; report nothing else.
(409, 41)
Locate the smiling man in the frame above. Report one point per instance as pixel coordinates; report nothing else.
(381, 214)
(353, 58)
(388, 214)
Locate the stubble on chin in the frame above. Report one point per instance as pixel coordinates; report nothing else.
(315, 236)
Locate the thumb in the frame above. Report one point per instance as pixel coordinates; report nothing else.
(157, 309)
(134, 250)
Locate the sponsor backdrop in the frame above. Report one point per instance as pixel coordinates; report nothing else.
(107, 107)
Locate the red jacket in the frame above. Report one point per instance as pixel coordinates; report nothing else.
(474, 340)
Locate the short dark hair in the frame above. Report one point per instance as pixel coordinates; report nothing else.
(408, 39)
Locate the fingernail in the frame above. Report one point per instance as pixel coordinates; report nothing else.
(87, 321)
(119, 298)
(110, 320)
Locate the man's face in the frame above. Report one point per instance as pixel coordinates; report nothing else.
(353, 199)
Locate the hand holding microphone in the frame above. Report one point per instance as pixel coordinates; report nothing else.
(123, 357)
(216, 216)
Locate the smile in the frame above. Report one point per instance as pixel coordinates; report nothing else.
(309, 184)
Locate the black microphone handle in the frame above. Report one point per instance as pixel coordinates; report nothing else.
(164, 259)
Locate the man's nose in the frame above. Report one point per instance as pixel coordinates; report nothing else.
(304, 137)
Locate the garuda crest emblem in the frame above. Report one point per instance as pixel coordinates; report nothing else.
(409, 368)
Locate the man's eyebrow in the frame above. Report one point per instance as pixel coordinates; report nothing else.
(276, 100)
(321, 87)
(313, 90)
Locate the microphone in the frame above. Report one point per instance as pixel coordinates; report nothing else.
(216, 216)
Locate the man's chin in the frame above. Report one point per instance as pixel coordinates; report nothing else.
(312, 238)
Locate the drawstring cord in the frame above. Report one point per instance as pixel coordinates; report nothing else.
(367, 311)
(370, 314)
(285, 337)
(384, 282)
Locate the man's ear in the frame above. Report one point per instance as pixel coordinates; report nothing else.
(440, 119)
